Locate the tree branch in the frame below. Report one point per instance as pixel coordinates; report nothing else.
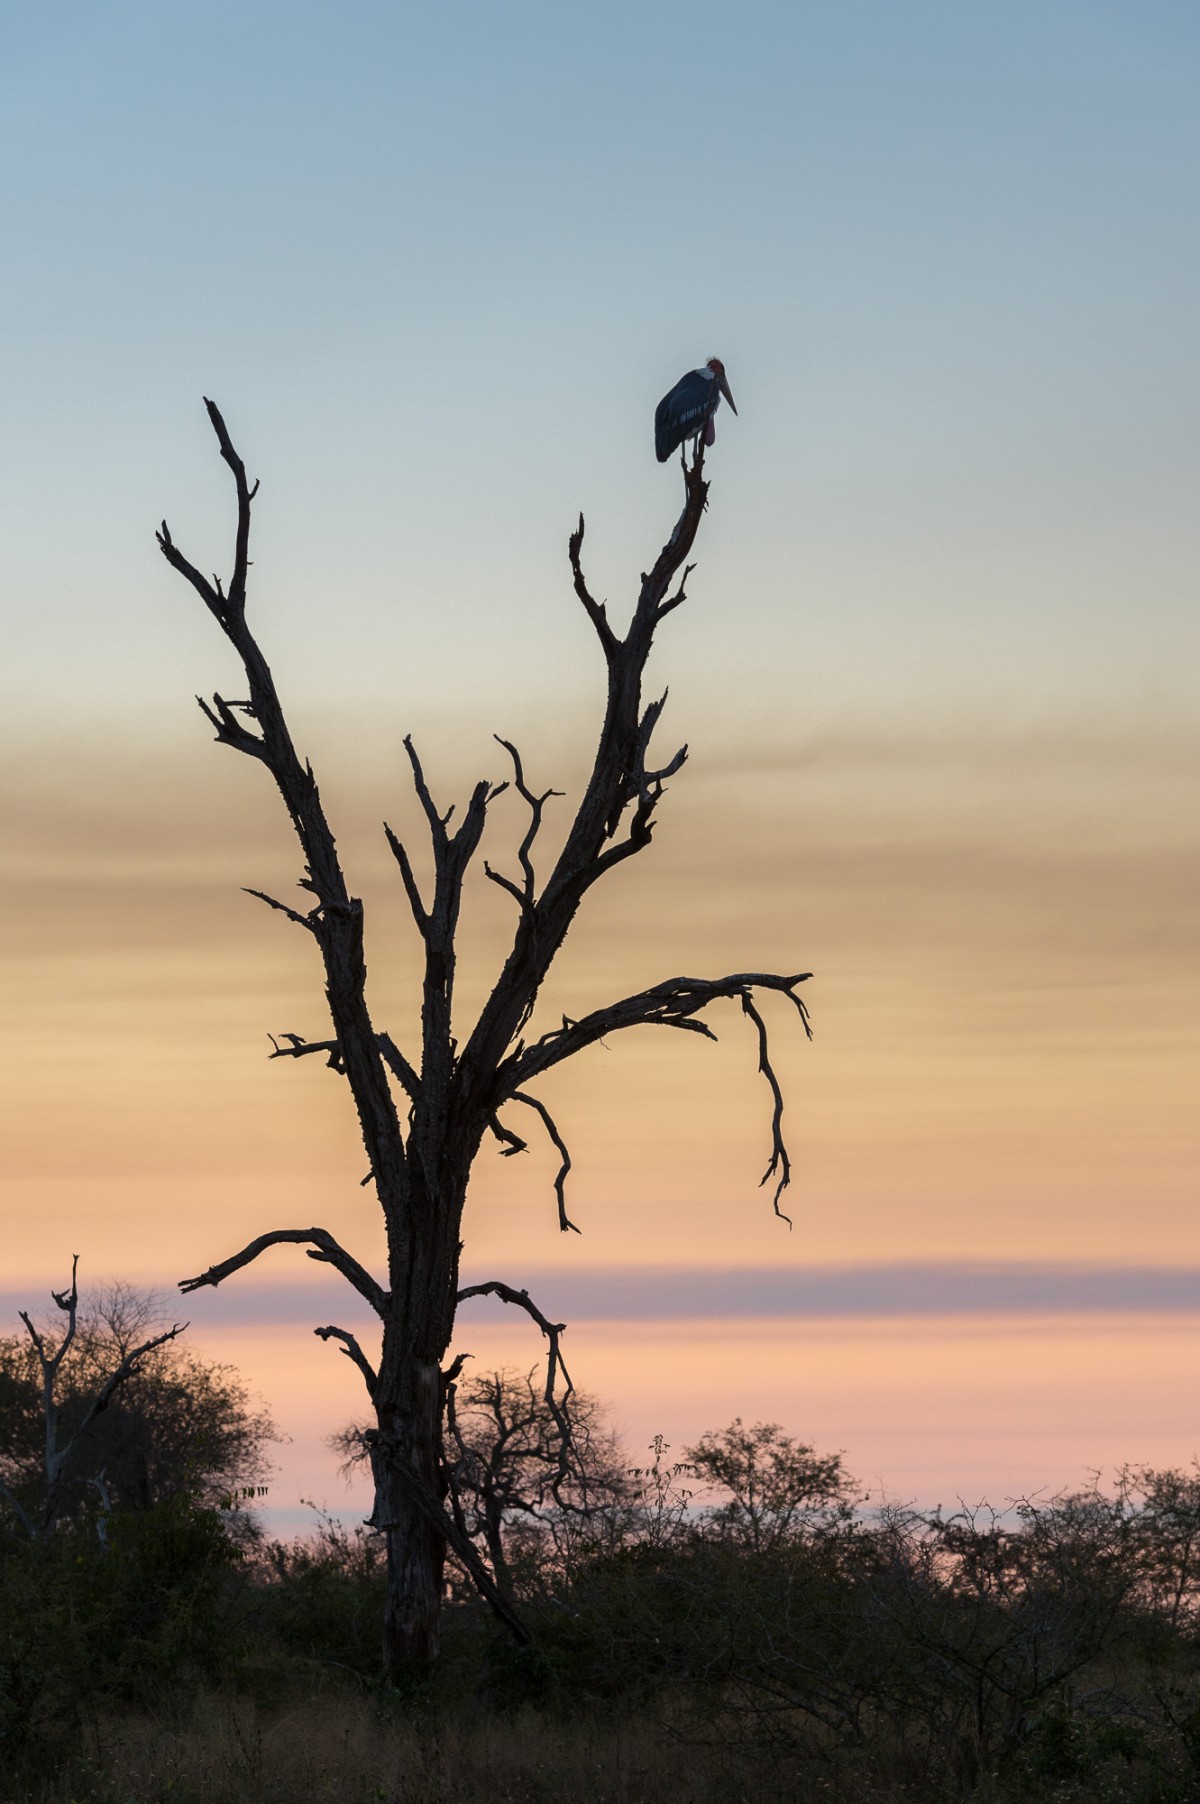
(520, 1299)
(536, 805)
(619, 778)
(560, 1181)
(299, 1048)
(438, 823)
(309, 920)
(596, 611)
(411, 889)
(506, 883)
(126, 1370)
(674, 1003)
(510, 1143)
(779, 1161)
(399, 1066)
(325, 1250)
(228, 727)
(352, 1350)
(68, 1302)
(336, 922)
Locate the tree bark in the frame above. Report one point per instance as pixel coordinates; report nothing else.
(409, 1418)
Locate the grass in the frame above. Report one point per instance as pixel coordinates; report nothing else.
(345, 1750)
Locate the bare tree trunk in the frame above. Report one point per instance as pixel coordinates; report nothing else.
(422, 1123)
(409, 1421)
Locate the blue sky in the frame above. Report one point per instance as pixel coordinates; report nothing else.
(437, 263)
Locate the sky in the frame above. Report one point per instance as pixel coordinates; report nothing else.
(937, 671)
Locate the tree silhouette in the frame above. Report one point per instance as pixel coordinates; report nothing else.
(54, 1398)
(423, 1123)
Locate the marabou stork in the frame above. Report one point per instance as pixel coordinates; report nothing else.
(687, 412)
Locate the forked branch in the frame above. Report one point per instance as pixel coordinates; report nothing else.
(527, 894)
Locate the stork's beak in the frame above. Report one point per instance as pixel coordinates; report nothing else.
(725, 391)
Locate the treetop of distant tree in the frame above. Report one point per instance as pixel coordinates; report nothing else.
(774, 1487)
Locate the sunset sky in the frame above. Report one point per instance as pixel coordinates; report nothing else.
(938, 671)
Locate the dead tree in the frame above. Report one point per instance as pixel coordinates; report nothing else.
(423, 1121)
(58, 1452)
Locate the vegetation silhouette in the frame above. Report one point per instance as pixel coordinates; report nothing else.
(738, 1621)
(424, 1119)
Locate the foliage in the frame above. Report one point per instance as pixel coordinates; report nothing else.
(775, 1489)
(181, 1426)
(85, 1624)
(742, 1601)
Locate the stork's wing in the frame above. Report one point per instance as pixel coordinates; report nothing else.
(684, 412)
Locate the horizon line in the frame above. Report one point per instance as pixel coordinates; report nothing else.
(862, 1290)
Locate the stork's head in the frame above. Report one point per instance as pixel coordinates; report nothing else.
(718, 369)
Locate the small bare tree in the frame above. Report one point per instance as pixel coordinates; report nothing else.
(61, 1449)
(423, 1120)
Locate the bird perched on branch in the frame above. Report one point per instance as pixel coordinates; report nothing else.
(687, 412)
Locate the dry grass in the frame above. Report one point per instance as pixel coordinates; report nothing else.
(343, 1751)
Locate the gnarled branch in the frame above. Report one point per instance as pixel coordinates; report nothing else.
(352, 1350)
(520, 1299)
(676, 1003)
(56, 1458)
(596, 611)
(298, 1047)
(336, 922)
(779, 1161)
(510, 1143)
(126, 1370)
(293, 914)
(325, 1249)
(560, 1180)
(420, 913)
(536, 805)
